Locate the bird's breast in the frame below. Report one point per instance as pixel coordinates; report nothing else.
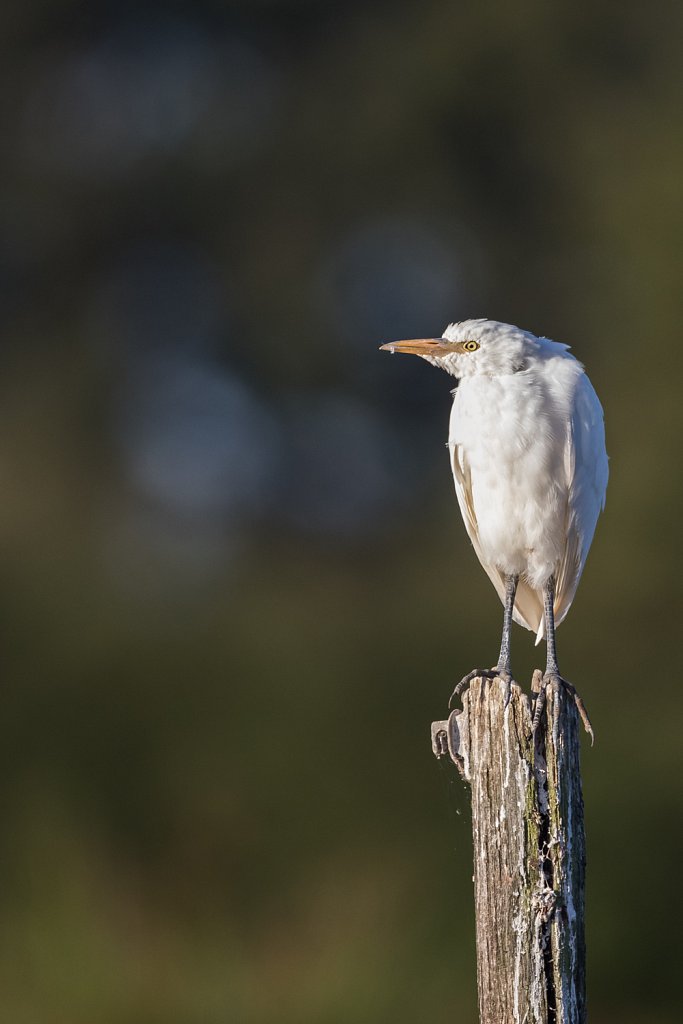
(511, 436)
(499, 418)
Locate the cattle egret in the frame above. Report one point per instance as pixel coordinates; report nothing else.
(527, 449)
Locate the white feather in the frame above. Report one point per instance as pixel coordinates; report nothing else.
(529, 463)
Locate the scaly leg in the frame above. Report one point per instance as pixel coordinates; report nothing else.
(502, 670)
(552, 675)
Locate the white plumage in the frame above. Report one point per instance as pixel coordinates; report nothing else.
(527, 446)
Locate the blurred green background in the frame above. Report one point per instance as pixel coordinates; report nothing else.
(235, 586)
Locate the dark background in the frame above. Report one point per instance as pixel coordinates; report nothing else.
(235, 585)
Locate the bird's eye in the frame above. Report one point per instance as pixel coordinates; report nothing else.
(470, 346)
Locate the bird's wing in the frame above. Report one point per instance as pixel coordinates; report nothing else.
(585, 461)
(528, 610)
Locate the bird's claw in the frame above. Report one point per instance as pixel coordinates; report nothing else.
(483, 673)
(555, 680)
(476, 673)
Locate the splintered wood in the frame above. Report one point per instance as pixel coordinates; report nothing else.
(529, 851)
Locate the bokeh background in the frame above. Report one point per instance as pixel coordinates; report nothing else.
(235, 590)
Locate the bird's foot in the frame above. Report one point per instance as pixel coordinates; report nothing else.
(476, 673)
(484, 673)
(555, 680)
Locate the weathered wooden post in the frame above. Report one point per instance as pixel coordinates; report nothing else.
(529, 851)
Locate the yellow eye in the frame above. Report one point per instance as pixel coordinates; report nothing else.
(470, 346)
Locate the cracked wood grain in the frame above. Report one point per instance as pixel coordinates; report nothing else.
(529, 852)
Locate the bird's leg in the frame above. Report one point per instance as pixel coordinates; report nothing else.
(502, 669)
(551, 676)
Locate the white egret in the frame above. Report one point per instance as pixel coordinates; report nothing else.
(527, 448)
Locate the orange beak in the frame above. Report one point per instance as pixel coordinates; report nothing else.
(422, 346)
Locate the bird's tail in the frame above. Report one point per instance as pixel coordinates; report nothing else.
(529, 611)
(540, 633)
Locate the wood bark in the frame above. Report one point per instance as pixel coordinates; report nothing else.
(529, 851)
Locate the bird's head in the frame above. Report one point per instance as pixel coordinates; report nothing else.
(474, 347)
